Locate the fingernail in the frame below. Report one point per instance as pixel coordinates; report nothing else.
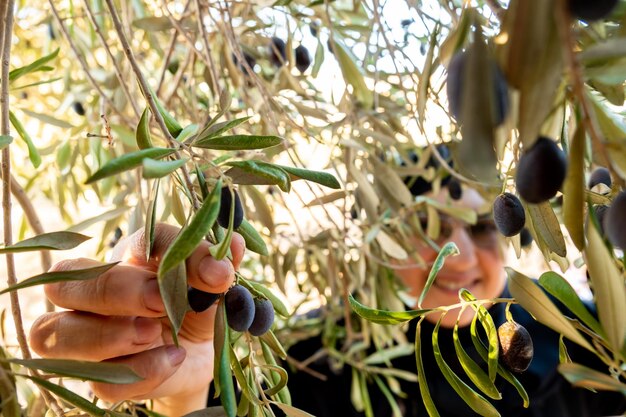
(215, 272)
(175, 354)
(146, 330)
(152, 297)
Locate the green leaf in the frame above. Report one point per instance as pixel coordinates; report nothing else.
(253, 239)
(267, 293)
(490, 329)
(128, 161)
(421, 376)
(72, 398)
(291, 411)
(546, 225)
(533, 300)
(241, 377)
(220, 250)
(237, 142)
(227, 389)
(188, 132)
(581, 376)
(608, 284)
(191, 235)
(257, 172)
(111, 373)
(472, 369)
(59, 276)
(276, 377)
(562, 290)
(142, 134)
(5, 140)
(173, 289)
(151, 221)
(272, 341)
(107, 215)
(384, 316)
(385, 355)
(215, 129)
(450, 248)
(33, 153)
(48, 119)
(153, 23)
(220, 336)
(33, 66)
(504, 373)
(573, 189)
(319, 177)
(47, 241)
(170, 122)
(476, 401)
(158, 169)
(353, 74)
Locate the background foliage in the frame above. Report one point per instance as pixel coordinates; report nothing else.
(375, 89)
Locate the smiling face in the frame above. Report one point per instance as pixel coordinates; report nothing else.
(478, 267)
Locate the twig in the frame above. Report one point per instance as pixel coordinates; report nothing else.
(207, 48)
(149, 97)
(564, 20)
(84, 65)
(7, 20)
(33, 219)
(118, 70)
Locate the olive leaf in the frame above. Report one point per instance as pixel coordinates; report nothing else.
(213, 130)
(191, 235)
(253, 239)
(33, 153)
(59, 276)
(546, 225)
(319, 177)
(573, 187)
(449, 249)
(173, 289)
(128, 161)
(352, 74)
(241, 377)
(158, 169)
(142, 134)
(582, 376)
(476, 401)
(421, 375)
(151, 221)
(237, 142)
(257, 172)
(222, 351)
(33, 66)
(291, 411)
(112, 373)
(384, 316)
(47, 241)
(270, 338)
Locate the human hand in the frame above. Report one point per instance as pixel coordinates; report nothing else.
(119, 317)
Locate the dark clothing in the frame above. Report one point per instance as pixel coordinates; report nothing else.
(550, 394)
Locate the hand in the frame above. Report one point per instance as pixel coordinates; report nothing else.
(119, 317)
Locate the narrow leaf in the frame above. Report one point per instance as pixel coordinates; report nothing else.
(173, 289)
(191, 235)
(33, 153)
(47, 241)
(237, 142)
(170, 122)
(214, 130)
(352, 74)
(47, 119)
(291, 411)
(562, 290)
(547, 225)
(111, 373)
(257, 172)
(253, 239)
(384, 316)
(319, 177)
(450, 248)
(151, 221)
(158, 169)
(421, 376)
(58, 276)
(608, 284)
(533, 300)
(476, 402)
(573, 189)
(227, 388)
(142, 134)
(128, 161)
(581, 376)
(33, 66)
(272, 341)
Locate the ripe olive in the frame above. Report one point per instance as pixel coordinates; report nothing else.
(454, 87)
(78, 108)
(600, 175)
(239, 308)
(615, 221)
(541, 171)
(277, 52)
(591, 10)
(508, 214)
(263, 317)
(526, 239)
(303, 59)
(200, 300)
(226, 202)
(454, 189)
(516, 346)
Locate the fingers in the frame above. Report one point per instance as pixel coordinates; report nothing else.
(82, 336)
(123, 290)
(154, 366)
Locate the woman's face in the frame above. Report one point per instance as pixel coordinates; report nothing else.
(478, 267)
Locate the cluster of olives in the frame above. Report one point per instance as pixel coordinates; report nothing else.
(278, 54)
(611, 219)
(516, 346)
(245, 313)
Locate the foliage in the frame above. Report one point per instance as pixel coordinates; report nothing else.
(197, 102)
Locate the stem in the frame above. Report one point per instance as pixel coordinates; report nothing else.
(149, 97)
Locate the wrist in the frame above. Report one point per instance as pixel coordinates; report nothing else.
(178, 406)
